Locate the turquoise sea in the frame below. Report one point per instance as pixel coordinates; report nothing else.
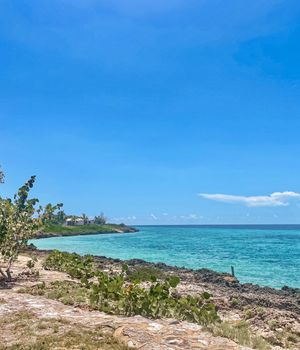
(264, 255)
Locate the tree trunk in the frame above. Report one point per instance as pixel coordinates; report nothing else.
(9, 276)
(6, 274)
(3, 274)
(8, 270)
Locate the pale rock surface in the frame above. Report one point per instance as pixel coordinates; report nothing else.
(136, 332)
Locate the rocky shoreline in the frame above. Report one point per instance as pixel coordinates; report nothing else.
(271, 313)
(265, 296)
(285, 299)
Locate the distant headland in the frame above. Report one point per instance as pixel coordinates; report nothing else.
(80, 230)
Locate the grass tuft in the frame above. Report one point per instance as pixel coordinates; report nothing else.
(240, 333)
(24, 331)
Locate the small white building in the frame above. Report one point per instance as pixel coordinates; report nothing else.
(76, 222)
(79, 222)
(69, 222)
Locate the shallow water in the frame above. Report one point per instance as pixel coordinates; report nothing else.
(265, 255)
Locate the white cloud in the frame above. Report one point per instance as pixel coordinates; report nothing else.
(275, 199)
(154, 217)
(118, 218)
(122, 218)
(190, 217)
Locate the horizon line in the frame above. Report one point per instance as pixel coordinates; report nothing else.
(281, 224)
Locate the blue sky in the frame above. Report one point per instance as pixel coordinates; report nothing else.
(155, 112)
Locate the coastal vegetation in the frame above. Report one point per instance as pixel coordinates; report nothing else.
(58, 223)
(109, 293)
(114, 294)
(100, 219)
(20, 218)
(52, 230)
(138, 292)
(145, 274)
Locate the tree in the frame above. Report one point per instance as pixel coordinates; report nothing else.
(85, 219)
(100, 220)
(19, 221)
(1, 176)
(50, 215)
(60, 217)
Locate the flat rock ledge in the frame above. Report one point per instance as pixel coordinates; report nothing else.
(135, 332)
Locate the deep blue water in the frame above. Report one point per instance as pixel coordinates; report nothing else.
(265, 255)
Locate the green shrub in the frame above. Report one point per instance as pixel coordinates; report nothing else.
(115, 295)
(30, 264)
(248, 313)
(234, 302)
(273, 324)
(144, 273)
(73, 264)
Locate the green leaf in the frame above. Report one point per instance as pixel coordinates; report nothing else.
(153, 278)
(173, 281)
(206, 295)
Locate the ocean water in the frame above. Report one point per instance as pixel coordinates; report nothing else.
(264, 255)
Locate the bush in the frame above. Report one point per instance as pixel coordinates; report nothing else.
(73, 264)
(113, 294)
(144, 273)
(20, 219)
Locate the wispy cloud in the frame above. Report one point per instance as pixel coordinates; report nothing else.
(191, 217)
(121, 218)
(154, 217)
(133, 217)
(275, 199)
